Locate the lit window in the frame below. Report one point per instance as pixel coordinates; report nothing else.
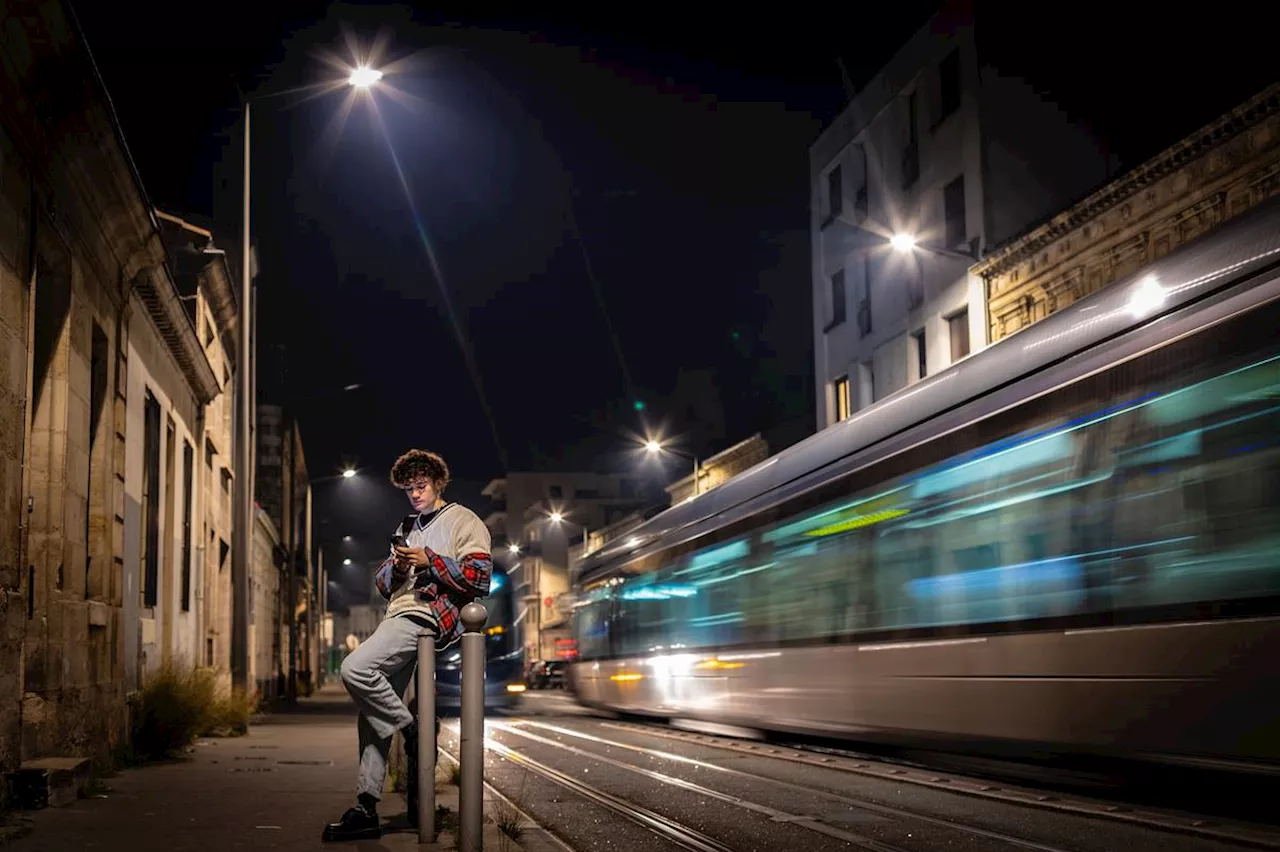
(843, 409)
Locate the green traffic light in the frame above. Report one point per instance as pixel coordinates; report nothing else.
(639, 405)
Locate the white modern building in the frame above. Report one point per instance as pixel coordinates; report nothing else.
(943, 151)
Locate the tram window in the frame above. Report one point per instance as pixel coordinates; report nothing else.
(1153, 486)
(591, 625)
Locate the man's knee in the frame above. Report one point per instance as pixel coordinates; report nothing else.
(353, 672)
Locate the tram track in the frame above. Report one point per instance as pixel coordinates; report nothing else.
(675, 832)
(923, 776)
(807, 822)
(899, 822)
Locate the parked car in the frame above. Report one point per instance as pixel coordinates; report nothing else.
(547, 674)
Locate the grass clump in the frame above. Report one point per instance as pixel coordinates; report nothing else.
(179, 703)
(509, 821)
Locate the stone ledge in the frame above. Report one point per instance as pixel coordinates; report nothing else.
(49, 782)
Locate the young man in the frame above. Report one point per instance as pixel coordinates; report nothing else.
(443, 565)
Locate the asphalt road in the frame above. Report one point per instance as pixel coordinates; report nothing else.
(598, 783)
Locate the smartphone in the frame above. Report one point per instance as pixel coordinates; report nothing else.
(397, 540)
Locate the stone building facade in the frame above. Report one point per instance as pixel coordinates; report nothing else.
(719, 468)
(114, 380)
(266, 572)
(190, 619)
(283, 487)
(1216, 173)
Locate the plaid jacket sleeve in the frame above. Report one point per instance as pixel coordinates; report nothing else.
(467, 573)
(469, 569)
(384, 579)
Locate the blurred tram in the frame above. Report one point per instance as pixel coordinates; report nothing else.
(1068, 542)
(504, 654)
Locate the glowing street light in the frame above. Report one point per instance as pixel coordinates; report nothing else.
(902, 242)
(653, 446)
(907, 243)
(556, 517)
(363, 78)
(348, 473)
(513, 549)
(346, 562)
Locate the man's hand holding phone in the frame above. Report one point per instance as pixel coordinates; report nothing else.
(407, 558)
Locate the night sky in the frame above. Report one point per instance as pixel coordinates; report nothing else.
(675, 141)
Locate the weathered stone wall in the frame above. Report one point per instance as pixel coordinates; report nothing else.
(73, 694)
(15, 263)
(75, 232)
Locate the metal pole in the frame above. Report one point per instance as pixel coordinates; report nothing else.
(426, 693)
(292, 589)
(316, 620)
(471, 750)
(695, 476)
(325, 624)
(311, 601)
(242, 524)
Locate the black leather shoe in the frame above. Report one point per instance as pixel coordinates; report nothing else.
(358, 823)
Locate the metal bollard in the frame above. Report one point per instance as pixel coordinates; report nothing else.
(471, 751)
(426, 693)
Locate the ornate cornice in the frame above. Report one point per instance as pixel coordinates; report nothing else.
(1249, 114)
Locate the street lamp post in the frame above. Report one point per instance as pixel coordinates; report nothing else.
(653, 447)
(242, 523)
(907, 243)
(242, 510)
(292, 592)
(557, 518)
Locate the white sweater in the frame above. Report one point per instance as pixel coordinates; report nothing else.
(461, 540)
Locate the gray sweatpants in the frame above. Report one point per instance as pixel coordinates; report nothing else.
(376, 675)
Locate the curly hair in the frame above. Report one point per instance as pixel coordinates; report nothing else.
(419, 464)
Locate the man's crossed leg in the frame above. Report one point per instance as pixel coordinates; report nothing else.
(376, 676)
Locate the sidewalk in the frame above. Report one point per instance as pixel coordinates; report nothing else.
(272, 789)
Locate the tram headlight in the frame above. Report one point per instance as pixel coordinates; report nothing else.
(516, 688)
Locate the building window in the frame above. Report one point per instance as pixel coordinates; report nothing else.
(953, 212)
(949, 85)
(188, 475)
(864, 304)
(150, 501)
(958, 325)
(911, 153)
(99, 358)
(843, 400)
(922, 360)
(170, 485)
(860, 201)
(835, 193)
(866, 384)
(838, 305)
